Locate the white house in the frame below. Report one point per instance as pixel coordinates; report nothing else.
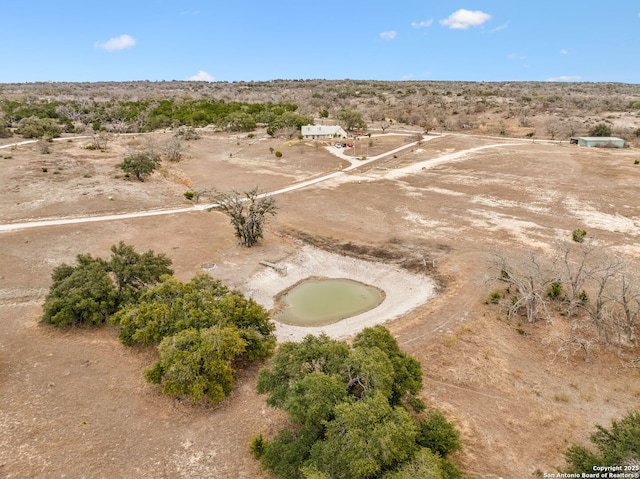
(321, 132)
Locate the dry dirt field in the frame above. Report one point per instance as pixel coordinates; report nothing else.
(74, 403)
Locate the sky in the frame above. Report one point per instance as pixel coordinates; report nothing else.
(210, 40)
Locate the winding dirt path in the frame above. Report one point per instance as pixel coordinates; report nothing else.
(355, 164)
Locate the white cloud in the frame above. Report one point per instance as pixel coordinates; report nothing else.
(515, 56)
(463, 19)
(565, 78)
(422, 24)
(390, 35)
(189, 13)
(201, 76)
(504, 26)
(564, 52)
(117, 43)
(406, 77)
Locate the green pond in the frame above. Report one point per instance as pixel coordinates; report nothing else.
(318, 302)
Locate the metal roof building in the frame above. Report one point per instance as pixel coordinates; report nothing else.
(599, 141)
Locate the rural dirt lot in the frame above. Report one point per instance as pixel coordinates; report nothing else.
(74, 403)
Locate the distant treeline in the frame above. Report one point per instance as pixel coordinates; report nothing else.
(78, 115)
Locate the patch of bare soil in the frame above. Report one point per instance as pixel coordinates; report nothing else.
(74, 403)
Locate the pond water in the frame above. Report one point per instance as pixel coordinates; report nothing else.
(318, 302)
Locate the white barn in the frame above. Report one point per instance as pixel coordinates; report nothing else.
(598, 141)
(321, 132)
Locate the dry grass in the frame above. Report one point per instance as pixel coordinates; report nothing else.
(516, 406)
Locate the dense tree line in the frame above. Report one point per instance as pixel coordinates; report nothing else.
(145, 115)
(558, 109)
(202, 329)
(354, 411)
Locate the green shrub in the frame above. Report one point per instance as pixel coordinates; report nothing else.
(438, 434)
(189, 195)
(578, 235)
(257, 446)
(139, 164)
(615, 446)
(600, 130)
(555, 290)
(636, 162)
(278, 154)
(494, 298)
(197, 363)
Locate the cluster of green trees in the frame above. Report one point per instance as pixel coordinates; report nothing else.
(34, 127)
(202, 329)
(148, 114)
(354, 411)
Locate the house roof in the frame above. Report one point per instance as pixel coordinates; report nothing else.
(321, 129)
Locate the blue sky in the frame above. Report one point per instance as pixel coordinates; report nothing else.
(491, 40)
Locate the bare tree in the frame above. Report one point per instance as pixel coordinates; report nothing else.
(247, 212)
(528, 282)
(100, 140)
(523, 119)
(553, 127)
(174, 149)
(626, 308)
(575, 271)
(598, 307)
(580, 339)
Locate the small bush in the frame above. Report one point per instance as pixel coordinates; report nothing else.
(44, 145)
(278, 154)
(578, 235)
(189, 195)
(271, 150)
(555, 290)
(257, 446)
(45, 169)
(187, 133)
(494, 298)
(600, 130)
(636, 162)
(250, 135)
